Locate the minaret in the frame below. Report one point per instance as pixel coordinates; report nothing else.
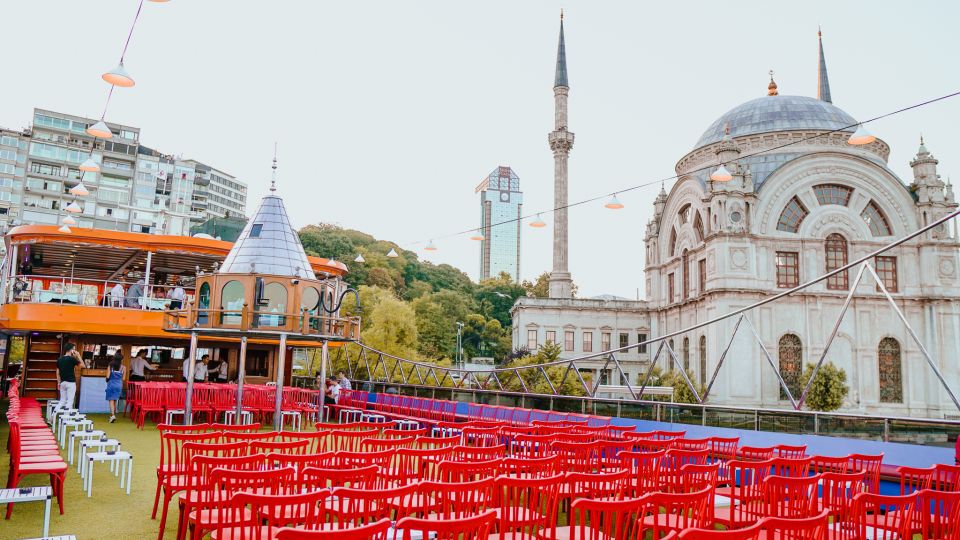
(823, 84)
(561, 141)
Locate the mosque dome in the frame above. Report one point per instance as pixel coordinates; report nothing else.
(777, 113)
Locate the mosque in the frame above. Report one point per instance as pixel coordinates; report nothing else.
(793, 201)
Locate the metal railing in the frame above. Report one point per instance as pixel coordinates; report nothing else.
(248, 320)
(28, 289)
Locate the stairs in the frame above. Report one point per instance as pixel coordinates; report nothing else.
(40, 363)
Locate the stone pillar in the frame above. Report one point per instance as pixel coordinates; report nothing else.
(561, 141)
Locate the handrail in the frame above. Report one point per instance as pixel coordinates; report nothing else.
(246, 319)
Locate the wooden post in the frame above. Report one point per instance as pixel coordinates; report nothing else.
(191, 367)
(241, 372)
(279, 365)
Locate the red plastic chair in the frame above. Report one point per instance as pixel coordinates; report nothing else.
(175, 465)
(753, 532)
(300, 462)
(695, 477)
(681, 511)
(349, 440)
(527, 506)
(665, 435)
(530, 467)
(838, 490)
(691, 444)
(380, 445)
(809, 528)
(644, 469)
(754, 453)
(455, 500)
(939, 514)
(479, 453)
(913, 479)
(456, 471)
(363, 459)
(481, 436)
(576, 456)
(828, 464)
(791, 496)
(43, 462)
(887, 516)
(476, 527)
(374, 531)
(796, 467)
(280, 447)
(230, 483)
(234, 427)
(608, 452)
(352, 507)
(722, 450)
(531, 446)
(438, 442)
(360, 477)
(413, 464)
(603, 520)
(250, 436)
(946, 477)
(869, 463)
(744, 497)
(788, 451)
(259, 517)
(674, 459)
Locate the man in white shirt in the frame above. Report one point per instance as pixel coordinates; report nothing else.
(116, 295)
(223, 371)
(333, 392)
(200, 372)
(177, 296)
(139, 364)
(344, 381)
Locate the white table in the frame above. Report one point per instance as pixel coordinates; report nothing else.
(77, 425)
(295, 419)
(246, 417)
(371, 417)
(407, 425)
(99, 444)
(34, 494)
(177, 412)
(349, 415)
(81, 435)
(65, 414)
(124, 471)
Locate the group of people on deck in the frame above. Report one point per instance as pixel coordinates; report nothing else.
(204, 372)
(133, 296)
(332, 387)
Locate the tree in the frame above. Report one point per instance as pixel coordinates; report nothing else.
(672, 378)
(437, 316)
(15, 350)
(829, 387)
(540, 288)
(533, 378)
(496, 296)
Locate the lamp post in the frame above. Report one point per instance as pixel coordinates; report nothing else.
(460, 344)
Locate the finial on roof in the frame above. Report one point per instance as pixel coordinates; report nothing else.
(726, 130)
(823, 83)
(561, 14)
(772, 87)
(273, 179)
(560, 78)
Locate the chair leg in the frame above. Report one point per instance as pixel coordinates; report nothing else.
(156, 498)
(167, 495)
(58, 488)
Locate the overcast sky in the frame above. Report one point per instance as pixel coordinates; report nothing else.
(388, 114)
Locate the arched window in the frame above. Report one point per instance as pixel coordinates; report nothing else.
(310, 306)
(792, 216)
(791, 364)
(686, 354)
(832, 194)
(203, 304)
(686, 274)
(274, 305)
(673, 241)
(231, 302)
(835, 248)
(703, 360)
(684, 214)
(891, 374)
(698, 227)
(876, 220)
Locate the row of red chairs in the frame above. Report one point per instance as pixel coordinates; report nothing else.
(33, 447)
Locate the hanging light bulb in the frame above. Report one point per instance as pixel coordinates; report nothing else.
(538, 222)
(861, 136)
(721, 174)
(614, 203)
(430, 247)
(392, 253)
(89, 165)
(100, 130)
(65, 230)
(118, 76)
(79, 190)
(478, 236)
(73, 208)
(69, 221)
(359, 258)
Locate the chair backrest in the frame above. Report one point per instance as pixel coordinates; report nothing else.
(596, 485)
(838, 491)
(381, 459)
(691, 444)
(942, 516)
(913, 479)
(808, 528)
(379, 445)
(192, 428)
(171, 448)
(268, 514)
(746, 491)
(753, 532)
(349, 440)
(459, 499)
(379, 530)
(662, 434)
(475, 527)
(527, 506)
(869, 463)
(323, 477)
(404, 433)
(351, 507)
(603, 519)
(458, 471)
(754, 453)
(946, 477)
(438, 442)
(608, 452)
(651, 444)
(479, 453)
(250, 436)
(784, 466)
(266, 482)
(530, 446)
(888, 516)
(828, 464)
(723, 448)
(280, 447)
(300, 462)
(481, 436)
(695, 477)
(791, 496)
(644, 469)
(576, 456)
(234, 427)
(193, 449)
(412, 464)
(683, 511)
(539, 467)
(676, 458)
(789, 451)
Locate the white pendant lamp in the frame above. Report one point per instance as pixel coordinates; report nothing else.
(65, 230)
(861, 136)
(538, 222)
(73, 208)
(392, 253)
(477, 236)
(614, 203)
(89, 165)
(79, 190)
(721, 174)
(359, 258)
(430, 246)
(118, 76)
(100, 130)
(69, 221)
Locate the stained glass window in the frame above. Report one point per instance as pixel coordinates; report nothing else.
(833, 194)
(792, 216)
(791, 364)
(891, 375)
(835, 248)
(875, 220)
(684, 214)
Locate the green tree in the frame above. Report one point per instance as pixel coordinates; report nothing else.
(829, 387)
(437, 315)
(533, 378)
(672, 378)
(496, 296)
(540, 287)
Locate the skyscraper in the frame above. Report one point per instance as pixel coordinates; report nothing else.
(500, 203)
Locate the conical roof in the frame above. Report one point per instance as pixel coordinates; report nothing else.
(268, 245)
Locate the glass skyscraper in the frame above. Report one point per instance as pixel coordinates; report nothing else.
(500, 209)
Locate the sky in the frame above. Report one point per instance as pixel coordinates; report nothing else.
(388, 114)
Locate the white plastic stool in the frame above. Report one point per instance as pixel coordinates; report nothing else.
(295, 419)
(79, 436)
(371, 417)
(349, 415)
(98, 444)
(124, 471)
(77, 425)
(407, 425)
(60, 415)
(246, 417)
(177, 412)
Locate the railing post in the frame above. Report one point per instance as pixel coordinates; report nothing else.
(280, 367)
(816, 423)
(756, 420)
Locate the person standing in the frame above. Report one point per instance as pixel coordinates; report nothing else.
(116, 295)
(66, 377)
(223, 371)
(135, 294)
(344, 381)
(138, 365)
(177, 296)
(115, 373)
(200, 371)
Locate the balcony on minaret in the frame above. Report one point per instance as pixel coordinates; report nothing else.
(561, 141)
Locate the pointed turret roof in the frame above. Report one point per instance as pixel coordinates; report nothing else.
(560, 79)
(269, 244)
(823, 84)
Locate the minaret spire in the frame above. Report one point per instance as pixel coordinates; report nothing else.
(823, 84)
(273, 177)
(561, 141)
